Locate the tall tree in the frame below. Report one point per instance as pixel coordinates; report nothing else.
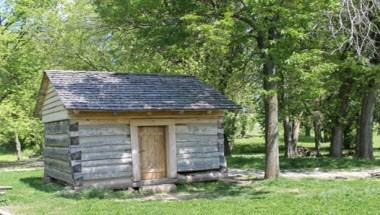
(359, 26)
(269, 32)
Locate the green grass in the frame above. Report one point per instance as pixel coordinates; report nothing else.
(249, 152)
(284, 196)
(306, 196)
(8, 156)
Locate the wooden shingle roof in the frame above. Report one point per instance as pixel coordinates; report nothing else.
(105, 91)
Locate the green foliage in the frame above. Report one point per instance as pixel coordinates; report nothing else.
(224, 43)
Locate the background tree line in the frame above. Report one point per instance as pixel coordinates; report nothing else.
(302, 65)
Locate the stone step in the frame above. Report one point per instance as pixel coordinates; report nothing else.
(161, 188)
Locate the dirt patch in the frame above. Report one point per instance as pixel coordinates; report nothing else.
(316, 173)
(5, 211)
(24, 165)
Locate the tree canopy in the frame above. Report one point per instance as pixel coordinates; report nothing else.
(302, 63)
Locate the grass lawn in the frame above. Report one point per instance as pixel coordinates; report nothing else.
(306, 196)
(284, 196)
(7, 156)
(248, 153)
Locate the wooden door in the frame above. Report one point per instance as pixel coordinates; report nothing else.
(152, 152)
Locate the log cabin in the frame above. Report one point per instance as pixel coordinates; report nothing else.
(122, 130)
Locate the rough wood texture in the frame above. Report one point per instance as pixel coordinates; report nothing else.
(152, 152)
(59, 175)
(57, 140)
(102, 152)
(60, 127)
(56, 116)
(103, 130)
(222, 158)
(198, 147)
(102, 175)
(52, 108)
(95, 141)
(57, 151)
(113, 183)
(197, 164)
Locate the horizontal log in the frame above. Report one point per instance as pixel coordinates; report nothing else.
(55, 102)
(56, 151)
(113, 183)
(58, 164)
(197, 129)
(57, 140)
(61, 157)
(57, 174)
(106, 155)
(197, 164)
(104, 140)
(101, 148)
(59, 127)
(196, 138)
(197, 149)
(57, 116)
(53, 109)
(104, 175)
(50, 89)
(51, 99)
(200, 155)
(103, 130)
(107, 169)
(59, 168)
(190, 143)
(94, 163)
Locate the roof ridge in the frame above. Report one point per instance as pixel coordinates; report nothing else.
(119, 73)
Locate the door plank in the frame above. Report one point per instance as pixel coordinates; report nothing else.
(152, 152)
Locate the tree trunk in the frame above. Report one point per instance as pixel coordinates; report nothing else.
(296, 133)
(317, 136)
(288, 137)
(18, 147)
(227, 148)
(272, 166)
(337, 141)
(365, 150)
(339, 125)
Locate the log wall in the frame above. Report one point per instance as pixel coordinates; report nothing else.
(102, 155)
(198, 147)
(92, 152)
(56, 151)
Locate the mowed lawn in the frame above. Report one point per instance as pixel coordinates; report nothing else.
(306, 196)
(284, 196)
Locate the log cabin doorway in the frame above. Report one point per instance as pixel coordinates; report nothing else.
(152, 150)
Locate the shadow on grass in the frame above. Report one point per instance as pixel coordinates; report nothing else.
(38, 184)
(216, 190)
(201, 190)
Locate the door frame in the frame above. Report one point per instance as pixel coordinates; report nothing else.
(170, 145)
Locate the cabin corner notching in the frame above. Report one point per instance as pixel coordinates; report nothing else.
(121, 130)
